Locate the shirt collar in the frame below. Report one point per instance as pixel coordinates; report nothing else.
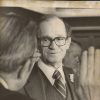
(49, 70)
(3, 82)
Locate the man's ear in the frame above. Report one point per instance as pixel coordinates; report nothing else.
(68, 42)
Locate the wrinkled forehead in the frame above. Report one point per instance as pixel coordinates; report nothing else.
(53, 27)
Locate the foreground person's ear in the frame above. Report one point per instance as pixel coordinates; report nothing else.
(68, 42)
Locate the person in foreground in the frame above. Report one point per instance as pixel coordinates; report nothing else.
(17, 54)
(49, 79)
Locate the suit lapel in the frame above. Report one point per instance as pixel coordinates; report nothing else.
(34, 88)
(70, 85)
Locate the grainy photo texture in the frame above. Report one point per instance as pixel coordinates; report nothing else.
(49, 50)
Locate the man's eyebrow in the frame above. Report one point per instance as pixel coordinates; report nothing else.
(45, 37)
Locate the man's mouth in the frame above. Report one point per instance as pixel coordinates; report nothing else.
(53, 53)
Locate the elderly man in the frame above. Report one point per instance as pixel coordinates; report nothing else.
(49, 79)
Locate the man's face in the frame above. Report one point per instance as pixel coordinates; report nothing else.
(50, 30)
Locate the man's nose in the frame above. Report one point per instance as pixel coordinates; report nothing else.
(52, 45)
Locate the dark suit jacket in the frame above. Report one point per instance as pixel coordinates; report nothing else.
(39, 87)
(10, 95)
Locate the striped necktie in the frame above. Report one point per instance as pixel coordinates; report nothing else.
(58, 84)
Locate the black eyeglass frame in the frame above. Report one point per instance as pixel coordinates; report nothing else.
(51, 40)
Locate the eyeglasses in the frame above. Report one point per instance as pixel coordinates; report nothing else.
(59, 41)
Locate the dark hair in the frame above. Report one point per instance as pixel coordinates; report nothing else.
(74, 43)
(48, 17)
(17, 41)
(77, 43)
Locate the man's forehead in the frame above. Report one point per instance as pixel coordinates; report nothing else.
(53, 26)
(53, 21)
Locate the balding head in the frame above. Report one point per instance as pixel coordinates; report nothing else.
(52, 22)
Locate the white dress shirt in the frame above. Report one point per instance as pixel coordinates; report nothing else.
(49, 70)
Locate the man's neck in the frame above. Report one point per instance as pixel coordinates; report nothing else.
(55, 65)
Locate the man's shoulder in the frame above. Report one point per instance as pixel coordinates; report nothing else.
(6, 94)
(15, 96)
(35, 68)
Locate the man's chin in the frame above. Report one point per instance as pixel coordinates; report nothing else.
(53, 60)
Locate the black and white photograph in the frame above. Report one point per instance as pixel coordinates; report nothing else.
(49, 50)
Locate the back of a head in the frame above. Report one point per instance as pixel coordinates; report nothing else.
(73, 54)
(76, 46)
(17, 41)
